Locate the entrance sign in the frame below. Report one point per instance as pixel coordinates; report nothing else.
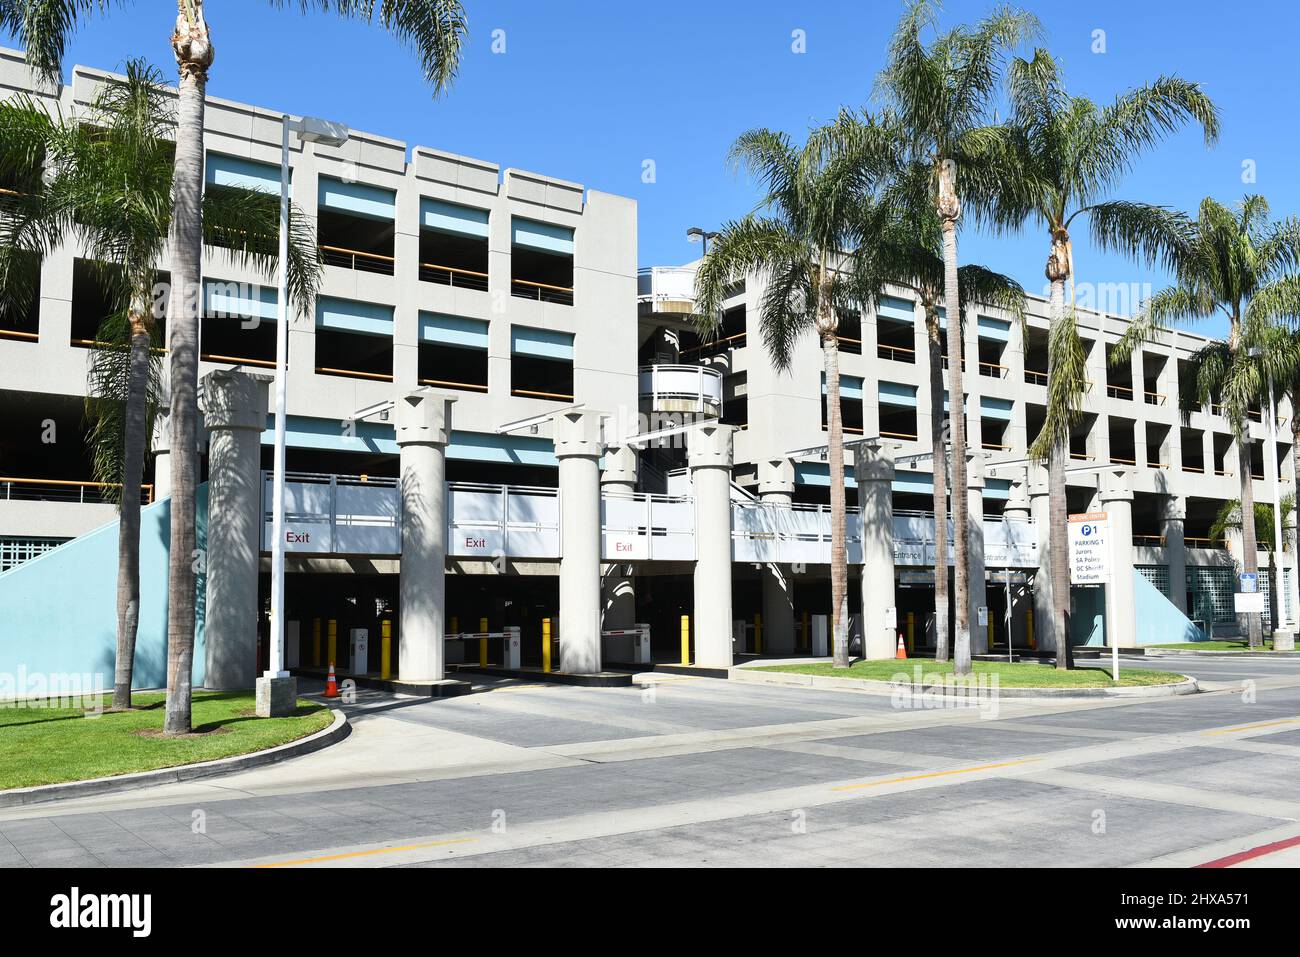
(1089, 549)
(1249, 582)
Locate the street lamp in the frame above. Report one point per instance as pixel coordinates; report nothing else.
(309, 130)
(1280, 620)
(697, 235)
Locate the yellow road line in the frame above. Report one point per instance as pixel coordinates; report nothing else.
(355, 854)
(1252, 727)
(932, 774)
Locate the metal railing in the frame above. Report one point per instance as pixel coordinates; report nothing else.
(541, 291)
(693, 383)
(715, 346)
(895, 353)
(356, 259)
(62, 490)
(453, 276)
(1119, 391)
(355, 373)
(1149, 541)
(1034, 377)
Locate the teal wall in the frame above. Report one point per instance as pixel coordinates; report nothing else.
(58, 612)
(1157, 620)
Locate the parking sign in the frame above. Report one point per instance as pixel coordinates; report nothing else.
(1089, 549)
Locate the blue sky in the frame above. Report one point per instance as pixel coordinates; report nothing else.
(589, 91)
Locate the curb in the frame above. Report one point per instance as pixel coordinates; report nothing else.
(1190, 653)
(20, 797)
(867, 685)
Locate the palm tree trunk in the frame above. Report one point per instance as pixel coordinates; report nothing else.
(128, 531)
(940, 452)
(1058, 513)
(194, 56)
(957, 431)
(835, 459)
(1249, 546)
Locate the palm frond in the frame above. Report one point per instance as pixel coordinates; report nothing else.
(434, 29)
(43, 27)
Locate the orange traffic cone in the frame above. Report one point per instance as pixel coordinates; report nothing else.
(331, 686)
(902, 648)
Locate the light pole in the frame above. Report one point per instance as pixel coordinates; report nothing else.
(309, 130)
(697, 235)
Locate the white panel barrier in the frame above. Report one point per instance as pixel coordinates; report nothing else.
(488, 521)
(335, 514)
(352, 515)
(643, 527)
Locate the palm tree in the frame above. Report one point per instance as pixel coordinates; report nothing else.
(1228, 519)
(1064, 154)
(806, 240)
(908, 252)
(942, 95)
(1279, 348)
(434, 29)
(108, 185)
(1237, 264)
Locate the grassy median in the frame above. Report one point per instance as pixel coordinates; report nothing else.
(1020, 674)
(44, 745)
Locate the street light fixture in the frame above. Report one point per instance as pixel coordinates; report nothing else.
(309, 129)
(697, 235)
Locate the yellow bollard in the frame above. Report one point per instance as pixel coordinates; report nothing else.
(686, 639)
(333, 647)
(1029, 628)
(990, 632)
(546, 645)
(315, 641)
(911, 631)
(482, 643)
(386, 649)
(758, 633)
(806, 644)
(455, 625)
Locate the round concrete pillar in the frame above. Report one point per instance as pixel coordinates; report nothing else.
(617, 586)
(709, 452)
(1116, 497)
(162, 456)
(776, 488)
(1044, 621)
(1173, 528)
(874, 470)
(423, 431)
(978, 592)
(234, 407)
(578, 448)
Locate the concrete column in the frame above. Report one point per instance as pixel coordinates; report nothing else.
(162, 456)
(1116, 494)
(1044, 623)
(776, 487)
(423, 431)
(874, 470)
(978, 594)
(709, 454)
(1018, 510)
(618, 592)
(1173, 528)
(234, 406)
(578, 447)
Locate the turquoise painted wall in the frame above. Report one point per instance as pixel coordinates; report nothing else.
(58, 612)
(1158, 620)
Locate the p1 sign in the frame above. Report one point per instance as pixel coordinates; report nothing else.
(1089, 549)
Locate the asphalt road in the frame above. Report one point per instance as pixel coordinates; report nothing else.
(700, 772)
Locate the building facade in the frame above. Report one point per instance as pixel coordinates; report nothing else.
(498, 318)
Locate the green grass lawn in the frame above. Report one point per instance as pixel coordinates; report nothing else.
(1224, 644)
(41, 745)
(1020, 674)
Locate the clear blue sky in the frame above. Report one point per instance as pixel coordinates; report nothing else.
(588, 90)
